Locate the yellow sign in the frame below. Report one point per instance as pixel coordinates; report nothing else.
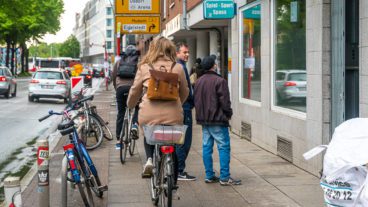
(138, 24)
(137, 6)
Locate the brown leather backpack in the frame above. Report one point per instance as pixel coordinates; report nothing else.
(163, 84)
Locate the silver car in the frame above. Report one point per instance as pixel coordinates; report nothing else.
(49, 83)
(8, 84)
(291, 84)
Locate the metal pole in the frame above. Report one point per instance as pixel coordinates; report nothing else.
(43, 173)
(12, 191)
(64, 182)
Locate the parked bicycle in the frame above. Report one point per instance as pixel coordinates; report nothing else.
(162, 179)
(126, 140)
(80, 165)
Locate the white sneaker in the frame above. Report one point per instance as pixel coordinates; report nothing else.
(147, 169)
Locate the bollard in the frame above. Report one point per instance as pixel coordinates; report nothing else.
(43, 173)
(12, 191)
(64, 182)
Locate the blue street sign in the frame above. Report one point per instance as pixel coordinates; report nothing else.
(218, 9)
(253, 12)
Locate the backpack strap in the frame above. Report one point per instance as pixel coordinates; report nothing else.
(172, 66)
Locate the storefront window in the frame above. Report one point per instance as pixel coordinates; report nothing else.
(290, 55)
(251, 53)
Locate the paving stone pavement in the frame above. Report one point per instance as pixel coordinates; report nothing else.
(267, 179)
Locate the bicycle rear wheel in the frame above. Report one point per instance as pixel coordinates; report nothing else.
(124, 141)
(154, 180)
(166, 183)
(92, 138)
(107, 132)
(131, 146)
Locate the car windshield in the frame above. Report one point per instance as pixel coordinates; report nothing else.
(48, 75)
(297, 77)
(85, 72)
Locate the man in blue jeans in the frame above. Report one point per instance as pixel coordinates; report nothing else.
(182, 151)
(213, 112)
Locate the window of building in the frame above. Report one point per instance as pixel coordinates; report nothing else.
(290, 82)
(108, 10)
(109, 33)
(108, 22)
(108, 45)
(250, 68)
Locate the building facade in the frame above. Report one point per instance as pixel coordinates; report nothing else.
(296, 69)
(94, 29)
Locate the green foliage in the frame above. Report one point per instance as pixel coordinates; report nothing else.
(45, 50)
(70, 48)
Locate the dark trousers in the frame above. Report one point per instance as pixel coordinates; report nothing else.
(182, 151)
(121, 99)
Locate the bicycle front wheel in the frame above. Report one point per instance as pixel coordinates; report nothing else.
(91, 137)
(124, 141)
(131, 147)
(84, 187)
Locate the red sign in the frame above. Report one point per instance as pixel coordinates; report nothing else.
(42, 154)
(75, 81)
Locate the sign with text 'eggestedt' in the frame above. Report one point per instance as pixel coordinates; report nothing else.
(137, 6)
(218, 9)
(139, 24)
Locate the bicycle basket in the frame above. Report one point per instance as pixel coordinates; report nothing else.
(161, 134)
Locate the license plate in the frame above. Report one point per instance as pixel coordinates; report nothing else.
(47, 87)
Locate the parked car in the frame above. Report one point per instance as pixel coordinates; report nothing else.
(8, 83)
(49, 83)
(291, 84)
(98, 72)
(87, 77)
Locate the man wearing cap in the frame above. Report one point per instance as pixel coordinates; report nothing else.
(213, 112)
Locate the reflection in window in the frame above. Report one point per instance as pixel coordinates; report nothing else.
(108, 45)
(290, 51)
(251, 57)
(108, 22)
(108, 33)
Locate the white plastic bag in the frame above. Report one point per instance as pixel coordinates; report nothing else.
(344, 178)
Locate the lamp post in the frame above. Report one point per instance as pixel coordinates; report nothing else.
(106, 64)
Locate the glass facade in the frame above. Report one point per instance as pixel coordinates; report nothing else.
(290, 55)
(108, 45)
(251, 53)
(108, 10)
(109, 33)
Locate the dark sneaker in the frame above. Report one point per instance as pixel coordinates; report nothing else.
(134, 131)
(214, 179)
(230, 181)
(186, 176)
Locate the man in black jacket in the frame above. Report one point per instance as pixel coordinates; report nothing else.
(213, 112)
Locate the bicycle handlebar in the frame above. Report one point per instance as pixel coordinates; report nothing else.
(51, 112)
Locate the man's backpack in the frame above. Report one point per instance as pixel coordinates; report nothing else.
(128, 66)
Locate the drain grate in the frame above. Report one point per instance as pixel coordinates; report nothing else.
(246, 131)
(285, 148)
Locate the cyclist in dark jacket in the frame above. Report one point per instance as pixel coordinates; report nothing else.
(213, 112)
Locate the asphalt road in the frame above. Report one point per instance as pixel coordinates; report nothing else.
(19, 117)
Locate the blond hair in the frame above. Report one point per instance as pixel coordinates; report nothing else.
(159, 48)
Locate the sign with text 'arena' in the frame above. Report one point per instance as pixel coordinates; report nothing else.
(137, 6)
(218, 9)
(138, 24)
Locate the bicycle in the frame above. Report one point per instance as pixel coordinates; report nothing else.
(80, 165)
(162, 179)
(126, 140)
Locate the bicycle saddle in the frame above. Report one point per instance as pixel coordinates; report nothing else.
(66, 127)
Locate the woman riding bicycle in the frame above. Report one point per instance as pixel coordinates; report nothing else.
(161, 53)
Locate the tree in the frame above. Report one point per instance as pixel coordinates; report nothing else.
(70, 48)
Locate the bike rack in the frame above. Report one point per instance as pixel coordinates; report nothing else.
(64, 182)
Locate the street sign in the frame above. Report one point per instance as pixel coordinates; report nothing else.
(218, 9)
(137, 6)
(77, 84)
(138, 24)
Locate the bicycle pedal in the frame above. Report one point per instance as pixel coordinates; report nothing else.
(103, 188)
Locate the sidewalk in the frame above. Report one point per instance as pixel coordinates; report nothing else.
(267, 179)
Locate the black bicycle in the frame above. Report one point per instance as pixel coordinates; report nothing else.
(126, 140)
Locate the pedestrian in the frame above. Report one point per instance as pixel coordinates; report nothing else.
(195, 72)
(213, 112)
(161, 53)
(182, 151)
(122, 85)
